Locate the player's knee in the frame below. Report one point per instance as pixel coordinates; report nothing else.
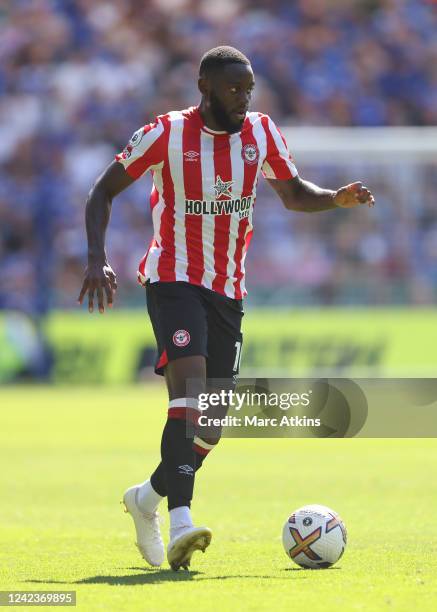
(186, 377)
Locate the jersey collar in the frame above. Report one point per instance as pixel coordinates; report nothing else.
(206, 129)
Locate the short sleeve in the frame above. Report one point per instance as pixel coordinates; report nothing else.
(144, 151)
(278, 163)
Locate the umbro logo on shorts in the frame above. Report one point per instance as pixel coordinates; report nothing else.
(186, 469)
(181, 337)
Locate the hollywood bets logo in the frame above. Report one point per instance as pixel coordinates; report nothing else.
(223, 206)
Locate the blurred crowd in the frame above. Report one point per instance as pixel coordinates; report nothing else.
(78, 77)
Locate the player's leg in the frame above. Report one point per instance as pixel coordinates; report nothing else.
(176, 374)
(185, 379)
(177, 453)
(223, 363)
(222, 366)
(175, 474)
(179, 323)
(201, 447)
(224, 318)
(179, 318)
(157, 483)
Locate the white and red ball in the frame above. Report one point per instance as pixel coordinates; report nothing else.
(314, 537)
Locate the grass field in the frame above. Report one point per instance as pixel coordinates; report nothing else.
(67, 454)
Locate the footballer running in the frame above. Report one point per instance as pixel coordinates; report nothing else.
(205, 162)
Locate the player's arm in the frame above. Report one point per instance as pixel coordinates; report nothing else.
(99, 276)
(301, 195)
(143, 152)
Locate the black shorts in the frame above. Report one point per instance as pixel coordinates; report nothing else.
(190, 320)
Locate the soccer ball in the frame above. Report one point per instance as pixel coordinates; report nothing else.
(314, 537)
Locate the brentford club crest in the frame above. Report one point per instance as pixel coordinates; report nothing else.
(250, 153)
(181, 337)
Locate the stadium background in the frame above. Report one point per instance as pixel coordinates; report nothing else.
(350, 291)
(342, 289)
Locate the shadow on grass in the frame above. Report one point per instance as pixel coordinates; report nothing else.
(147, 577)
(310, 569)
(154, 576)
(160, 577)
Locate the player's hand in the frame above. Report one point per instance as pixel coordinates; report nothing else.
(99, 278)
(353, 195)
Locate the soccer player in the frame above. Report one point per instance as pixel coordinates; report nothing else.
(205, 163)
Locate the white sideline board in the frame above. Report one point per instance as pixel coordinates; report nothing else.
(378, 144)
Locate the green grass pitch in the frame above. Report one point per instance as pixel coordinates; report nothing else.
(67, 454)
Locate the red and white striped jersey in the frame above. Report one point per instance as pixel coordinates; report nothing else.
(204, 188)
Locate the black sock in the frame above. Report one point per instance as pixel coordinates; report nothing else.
(157, 479)
(178, 462)
(199, 460)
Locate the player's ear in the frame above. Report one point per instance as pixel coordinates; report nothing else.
(203, 85)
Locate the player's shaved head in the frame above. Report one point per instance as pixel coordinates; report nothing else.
(219, 57)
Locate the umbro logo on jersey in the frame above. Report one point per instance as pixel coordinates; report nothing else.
(191, 156)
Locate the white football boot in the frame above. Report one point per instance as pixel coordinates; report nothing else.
(184, 543)
(149, 540)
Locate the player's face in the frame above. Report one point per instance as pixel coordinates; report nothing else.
(229, 95)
